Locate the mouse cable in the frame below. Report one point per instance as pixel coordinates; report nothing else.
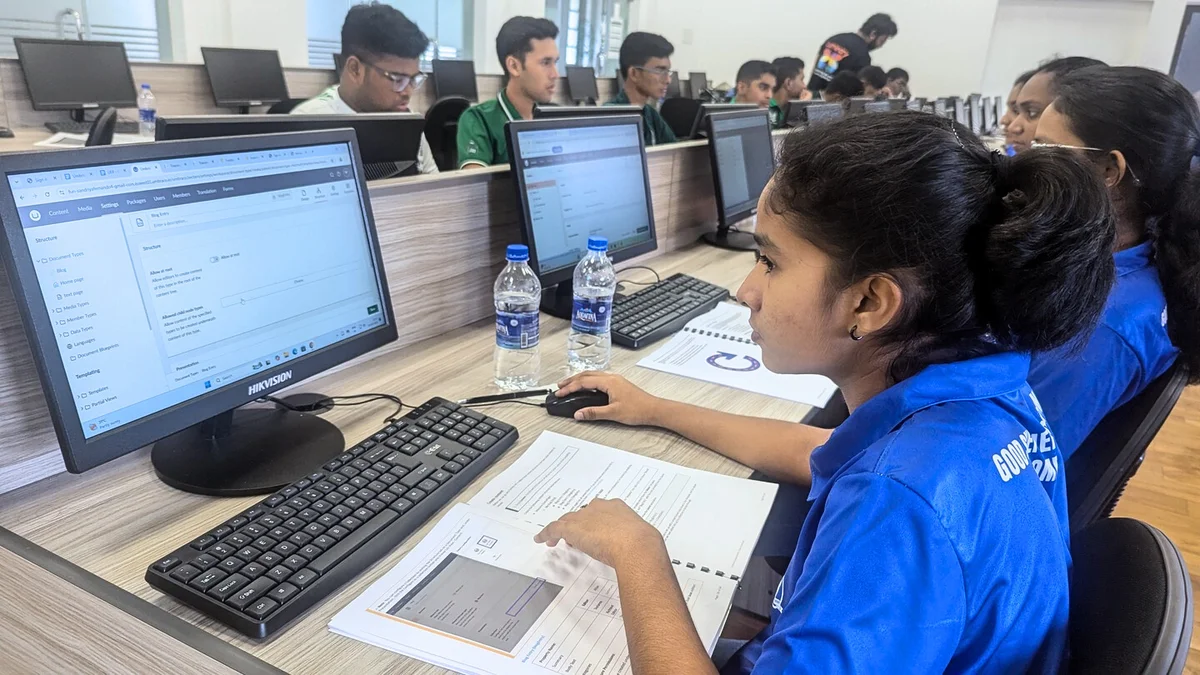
(501, 398)
(514, 400)
(341, 401)
(657, 278)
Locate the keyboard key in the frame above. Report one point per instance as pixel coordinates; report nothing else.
(283, 592)
(349, 544)
(302, 578)
(228, 586)
(416, 476)
(250, 592)
(346, 490)
(312, 495)
(314, 529)
(409, 449)
(371, 474)
(270, 559)
(309, 552)
(323, 542)
(249, 553)
(429, 485)
(204, 561)
(284, 511)
(238, 540)
(388, 478)
(337, 532)
(231, 565)
(336, 479)
(264, 543)
(270, 521)
(400, 506)
(185, 573)
(166, 563)
(350, 522)
(387, 497)
(279, 573)
(279, 533)
(379, 452)
(374, 506)
(415, 495)
(208, 579)
(261, 608)
(484, 443)
(340, 511)
(307, 515)
(295, 562)
(294, 524)
(452, 467)
(353, 502)
(462, 459)
(203, 542)
(290, 491)
(472, 453)
(254, 530)
(300, 538)
(361, 463)
(222, 531)
(367, 494)
(235, 523)
(376, 486)
(222, 550)
(298, 503)
(324, 486)
(441, 475)
(253, 570)
(321, 506)
(274, 500)
(254, 512)
(285, 548)
(358, 482)
(452, 435)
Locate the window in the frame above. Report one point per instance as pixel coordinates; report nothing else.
(134, 22)
(590, 31)
(447, 23)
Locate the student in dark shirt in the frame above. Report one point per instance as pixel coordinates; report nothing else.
(646, 73)
(874, 82)
(842, 87)
(851, 51)
(755, 84)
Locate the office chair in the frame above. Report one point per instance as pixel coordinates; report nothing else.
(680, 114)
(1131, 601)
(102, 129)
(285, 106)
(441, 130)
(1099, 470)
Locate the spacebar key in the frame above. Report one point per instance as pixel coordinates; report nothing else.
(357, 538)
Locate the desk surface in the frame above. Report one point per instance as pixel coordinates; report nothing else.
(117, 519)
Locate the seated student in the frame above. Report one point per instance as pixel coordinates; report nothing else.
(1036, 95)
(843, 86)
(1011, 112)
(789, 86)
(382, 69)
(874, 82)
(755, 84)
(1141, 129)
(934, 542)
(528, 54)
(897, 83)
(645, 63)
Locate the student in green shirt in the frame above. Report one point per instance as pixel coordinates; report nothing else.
(755, 83)
(789, 86)
(646, 69)
(528, 54)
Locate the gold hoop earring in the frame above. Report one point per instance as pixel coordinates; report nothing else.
(854, 333)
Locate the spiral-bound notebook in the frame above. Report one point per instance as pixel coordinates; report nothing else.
(477, 595)
(716, 347)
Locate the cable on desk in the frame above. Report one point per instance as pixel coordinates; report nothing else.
(657, 278)
(518, 401)
(341, 401)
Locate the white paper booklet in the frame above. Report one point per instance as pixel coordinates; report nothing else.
(716, 348)
(67, 140)
(477, 595)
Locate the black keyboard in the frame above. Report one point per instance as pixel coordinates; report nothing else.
(269, 564)
(662, 309)
(123, 127)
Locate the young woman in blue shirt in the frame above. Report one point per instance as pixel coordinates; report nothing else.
(1141, 130)
(915, 268)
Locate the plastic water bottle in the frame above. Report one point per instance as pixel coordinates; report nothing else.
(589, 345)
(517, 293)
(147, 111)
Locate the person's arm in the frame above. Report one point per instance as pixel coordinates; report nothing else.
(425, 162)
(779, 449)
(663, 130)
(474, 146)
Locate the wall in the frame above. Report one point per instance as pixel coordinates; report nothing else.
(489, 16)
(261, 24)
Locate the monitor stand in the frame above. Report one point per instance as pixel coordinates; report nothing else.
(559, 300)
(248, 451)
(733, 240)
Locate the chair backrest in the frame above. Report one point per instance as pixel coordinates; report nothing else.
(1131, 601)
(680, 115)
(103, 127)
(285, 106)
(441, 130)
(1111, 454)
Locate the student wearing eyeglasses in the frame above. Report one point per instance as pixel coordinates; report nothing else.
(382, 69)
(755, 84)
(528, 53)
(646, 70)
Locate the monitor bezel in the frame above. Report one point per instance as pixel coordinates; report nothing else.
(725, 220)
(472, 95)
(573, 74)
(80, 453)
(20, 42)
(707, 109)
(692, 83)
(237, 103)
(556, 277)
(550, 112)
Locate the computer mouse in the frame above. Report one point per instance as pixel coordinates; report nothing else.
(568, 405)
(5, 132)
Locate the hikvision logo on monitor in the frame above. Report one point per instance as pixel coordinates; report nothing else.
(266, 384)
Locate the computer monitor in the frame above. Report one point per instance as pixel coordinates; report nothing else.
(389, 142)
(242, 78)
(857, 104)
(455, 78)
(794, 114)
(697, 82)
(914, 104)
(877, 107)
(581, 84)
(814, 113)
(699, 129)
(989, 115)
(576, 178)
(552, 112)
(743, 159)
(897, 104)
(162, 286)
(944, 107)
(960, 112)
(674, 89)
(975, 113)
(76, 75)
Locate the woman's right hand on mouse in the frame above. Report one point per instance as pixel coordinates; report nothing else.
(627, 403)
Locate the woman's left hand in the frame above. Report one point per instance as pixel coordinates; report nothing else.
(607, 530)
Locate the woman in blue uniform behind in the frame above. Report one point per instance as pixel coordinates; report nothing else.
(1141, 130)
(916, 269)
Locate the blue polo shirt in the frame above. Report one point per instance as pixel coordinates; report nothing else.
(937, 539)
(1129, 349)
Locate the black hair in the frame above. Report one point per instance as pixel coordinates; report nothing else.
(639, 48)
(752, 70)
(880, 24)
(1154, 122)
(845, 83)
(1064, 66)
(786, 68)
(991, 253)
(377, 29)
(897, 74)
(874, 76)
(1024, 77)
(516, 38)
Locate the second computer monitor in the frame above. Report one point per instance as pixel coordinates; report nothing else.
(76, 75)
(455, 78)
(674, 90)
(743, 158)
(581, 84)
(698, 83)
(242, 78)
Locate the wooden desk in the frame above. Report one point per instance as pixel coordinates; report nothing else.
(117, 519)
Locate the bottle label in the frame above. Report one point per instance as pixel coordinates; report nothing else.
(146, 114)
(517, 330)
(591, 315)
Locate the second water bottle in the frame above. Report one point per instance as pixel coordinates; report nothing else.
(589, 345)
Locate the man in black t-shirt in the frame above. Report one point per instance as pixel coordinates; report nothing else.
(851, 52)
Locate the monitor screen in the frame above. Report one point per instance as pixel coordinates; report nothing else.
(578, 178)
(673, 88)
(743, 158)
(70, 74)
(581, 83)
(244, 77)
(166, 280)
(698, 82)
(455, 78)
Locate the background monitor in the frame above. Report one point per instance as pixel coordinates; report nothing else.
(897, 103)
(698, 82)
(674, 89)
(960, 112)
(76, 74)
(743, 158)
(548, 112)
(581, 84)
(975, 113)
(455, 78)
(163, 285)
(698, 126)
(241, 78)
(577, 178)
(858, 104)
(878, 107)
(809, 113)
(389, 142)
(989, 115)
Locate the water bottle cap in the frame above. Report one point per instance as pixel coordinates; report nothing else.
(145, 85)
(518, 253)
(597, 243)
